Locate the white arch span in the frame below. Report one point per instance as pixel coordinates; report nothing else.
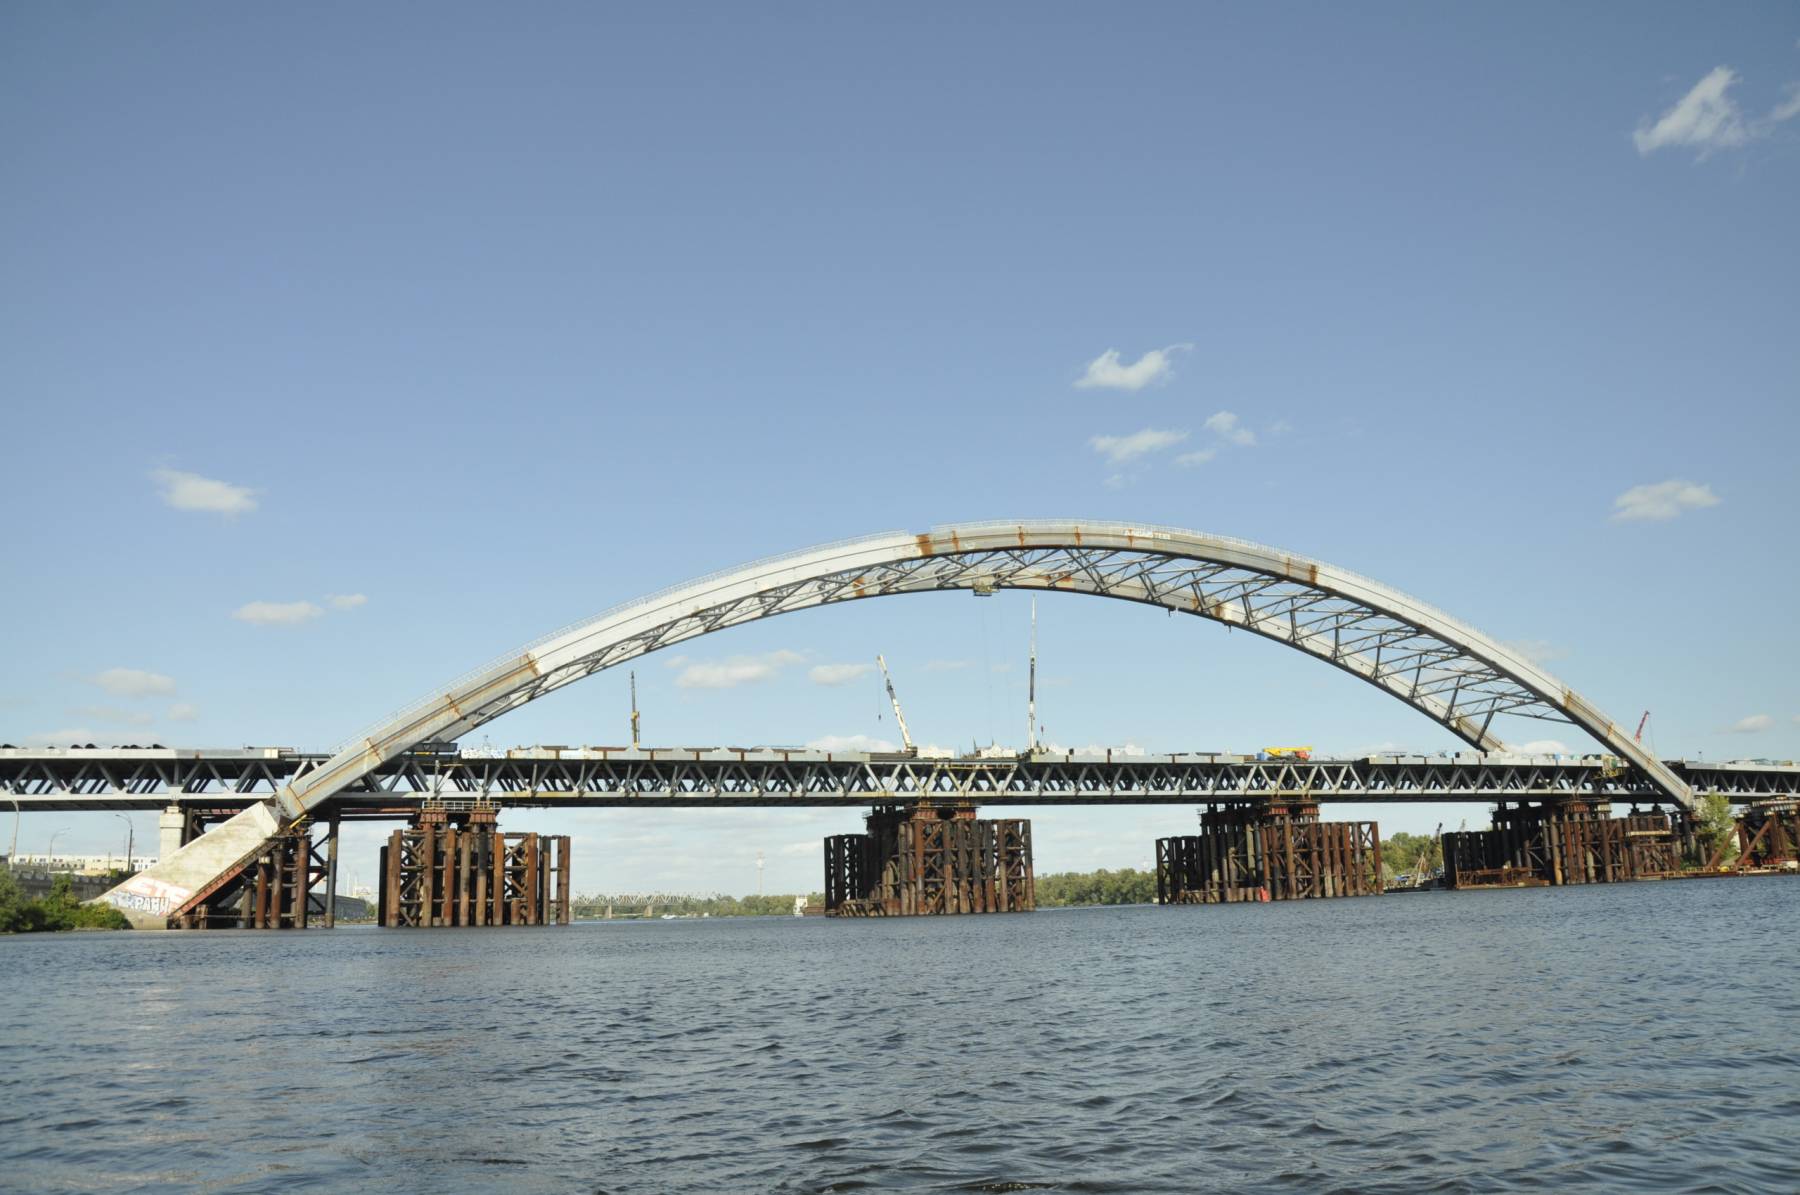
(1440, 666)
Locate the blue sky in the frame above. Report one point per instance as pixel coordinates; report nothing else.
(347, 347)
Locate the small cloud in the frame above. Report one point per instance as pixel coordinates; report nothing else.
(1544, 747)
(1707, 119)
(182, 711)
(72, 737)
(1280, 427)
(1107, 372)
(276, 614)
(848, 742)
(1662, 501)
(1537, 651)
(948, 665)
(1189, 460)
(190, 491)
(1119, 449)
(1754, 724)
(1225, 425)
(134, 682)
(115, 716)
(347, 601)
(1096, 749)
(733, 670)
(837, 674)
(1789, 108)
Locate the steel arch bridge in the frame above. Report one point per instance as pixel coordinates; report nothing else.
(1440, 666)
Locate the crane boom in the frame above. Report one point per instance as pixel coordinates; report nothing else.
(894, 699)
(1639, 736)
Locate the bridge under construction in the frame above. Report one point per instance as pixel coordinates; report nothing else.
(1435, 664)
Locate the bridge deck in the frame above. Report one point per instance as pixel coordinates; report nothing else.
(594, 777)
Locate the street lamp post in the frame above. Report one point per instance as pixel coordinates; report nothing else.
(12, 852)
(130, 837)
(50, 852)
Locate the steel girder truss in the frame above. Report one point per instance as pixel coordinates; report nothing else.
(700, 778)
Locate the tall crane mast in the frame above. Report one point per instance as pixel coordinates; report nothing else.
(1031, 726)
(634, 712)
(893, 698)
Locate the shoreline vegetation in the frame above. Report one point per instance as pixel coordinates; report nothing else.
(59, 910)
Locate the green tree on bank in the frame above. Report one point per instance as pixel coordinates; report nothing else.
(57, 911)
(1715, 828)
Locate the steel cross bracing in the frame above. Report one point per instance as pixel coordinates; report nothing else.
(696, 777)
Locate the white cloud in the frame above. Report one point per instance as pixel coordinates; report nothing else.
(1537, 651)
(732, 671)
(1188, 460)
(1662, 501)
(346, 601)
(114, 715)
(276, 614)
(1107, 372)
(1118, 749)
(134, 682)
(1789, 108)
(74, 736)
(1707, 119)
(1754, 724)
(183, 711)
(837, 674)
(948, 665)
(848, 742)
(1544, 747)
(190, 491)
(1225, 425)
(1119, 449)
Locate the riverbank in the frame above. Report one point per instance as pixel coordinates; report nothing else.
(58, 909)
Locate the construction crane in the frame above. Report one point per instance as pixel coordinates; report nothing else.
(634, 712)
(1642, 722)
(1031, 726)
(894, 699)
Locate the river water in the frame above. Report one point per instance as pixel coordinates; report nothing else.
(1633, 1037)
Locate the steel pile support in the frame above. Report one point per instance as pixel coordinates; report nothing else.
(1768, 835)
(923, 861)
(1268, 851)
(276, 889)
(460, 870)
(1554, 843)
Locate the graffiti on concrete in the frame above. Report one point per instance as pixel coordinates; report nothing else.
(141, 894)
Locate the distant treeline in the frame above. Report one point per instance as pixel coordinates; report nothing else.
(58, 910)
(634, 904)
(1068, 889)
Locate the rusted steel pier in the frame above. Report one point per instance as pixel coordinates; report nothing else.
(925, 860)
(458, 869)
(1768, 835)
(276, 889)
(1552, 843)
(1276, 850)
